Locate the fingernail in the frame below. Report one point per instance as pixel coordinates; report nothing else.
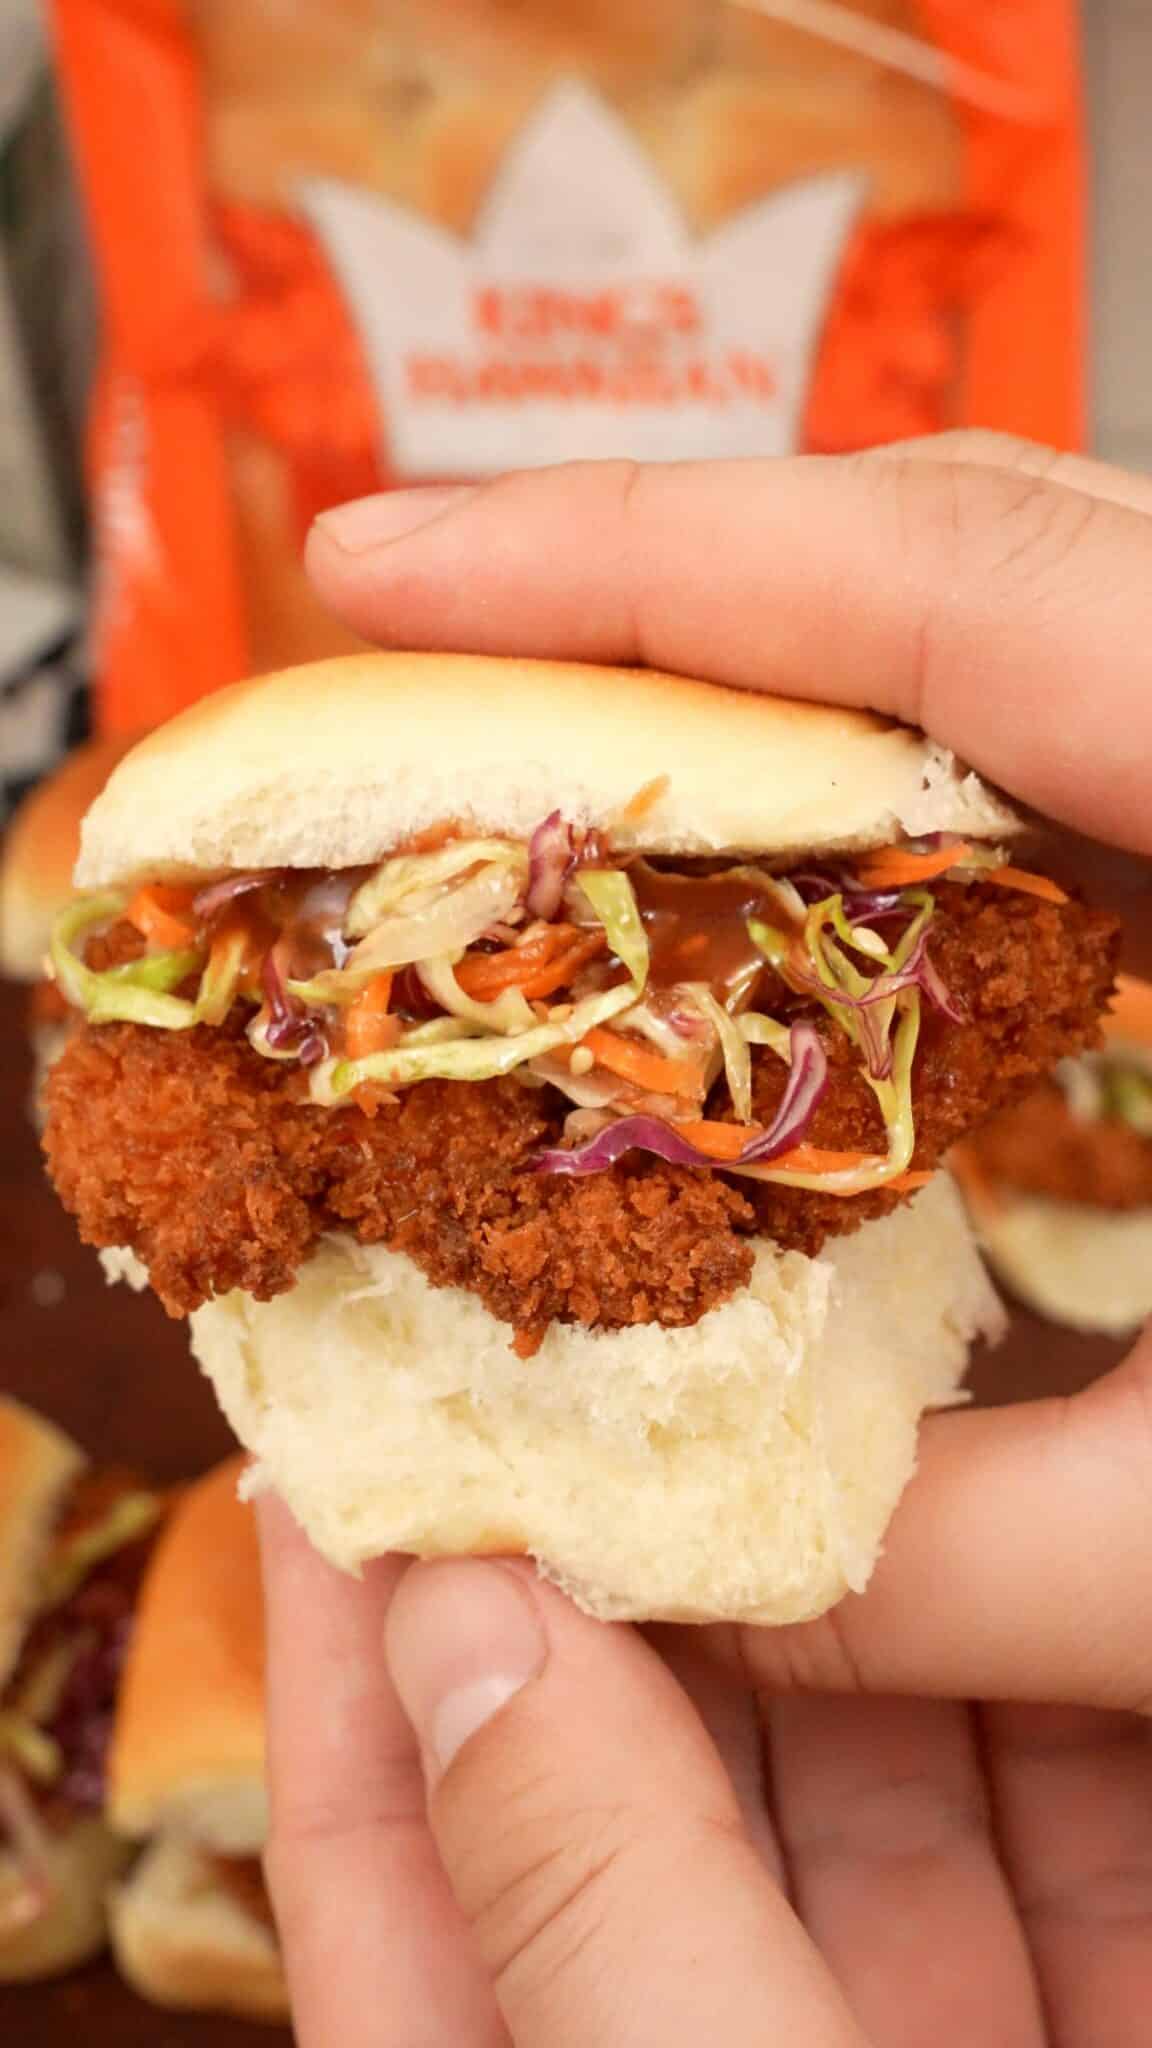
(463, 1638)
(369, 523)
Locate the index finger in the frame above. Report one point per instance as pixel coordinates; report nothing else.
(371, 1932)
(1008, 614)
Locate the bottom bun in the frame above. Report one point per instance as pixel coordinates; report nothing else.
(182, 1940)
(742, 1469)
(1089, 1268)
(73, 1927)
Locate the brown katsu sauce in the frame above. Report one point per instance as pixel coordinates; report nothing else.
(308, 910)
(697, 925)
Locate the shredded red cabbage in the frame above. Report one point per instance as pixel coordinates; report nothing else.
(807, 1081)
(551, 858)
(917, 972)
(291, 1028)
(218, 894)
(862, 903)
(83, 1721)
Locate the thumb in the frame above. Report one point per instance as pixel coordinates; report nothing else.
(589, 1830)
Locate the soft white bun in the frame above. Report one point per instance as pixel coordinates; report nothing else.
(742, 1469)
(188, 1747)
(39, 854)
(331, 764)
(1087, 1267)
(83, 1860)
(182, 1940)
(1129, 1020)
(37, 1465)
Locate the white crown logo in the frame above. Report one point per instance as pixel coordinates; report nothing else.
(583, 318)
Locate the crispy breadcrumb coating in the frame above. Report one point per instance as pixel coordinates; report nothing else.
(210, 1163)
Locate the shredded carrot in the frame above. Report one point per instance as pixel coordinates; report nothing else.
(637, 1063)
(1029, 885)
(814, 1159)
(370, 1097)
(720, 1141)
(890, 867)
(368, 1026)
(639, 805)
(727, 1141)
(430, 840)
(562, 970)
(158, 911)
(538, 968)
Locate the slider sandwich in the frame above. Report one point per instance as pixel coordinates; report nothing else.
(191, 1924)
(1060, 1185)
(37, 856)
(74, 1543)
(532, 1080)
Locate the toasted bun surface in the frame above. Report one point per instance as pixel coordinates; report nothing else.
(182, 1940)
(188, 1749)
(1090, 1268)
(741, 1469)
(85, 1859)
(332, 764)
(39, 853)
(37, 1465)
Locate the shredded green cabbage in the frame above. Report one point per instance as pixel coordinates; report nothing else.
(478, 1059)
(446, 925)
(895, 1094)
(648, 1023)
(127, 1519)
(137, 991)
(160, 972)
(125, 1003)
(613, 898)
(757, 1029)
(72, 977)
(1114, 1086)
(1128, 1095)
(220, 979)
(733, 1045)
(895, 1099)
(441, 1030)
(134, 992)
(510, 1012)
(775, 945)
(860, 936)
(420, 875)
(37, 1755)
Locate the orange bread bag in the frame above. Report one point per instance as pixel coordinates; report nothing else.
(344, 244)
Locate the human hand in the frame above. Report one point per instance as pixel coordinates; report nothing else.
(581, 1869)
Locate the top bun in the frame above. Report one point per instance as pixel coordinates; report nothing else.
(37, 1465)
(39, 854)
(188, 1748)
(332, 764)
